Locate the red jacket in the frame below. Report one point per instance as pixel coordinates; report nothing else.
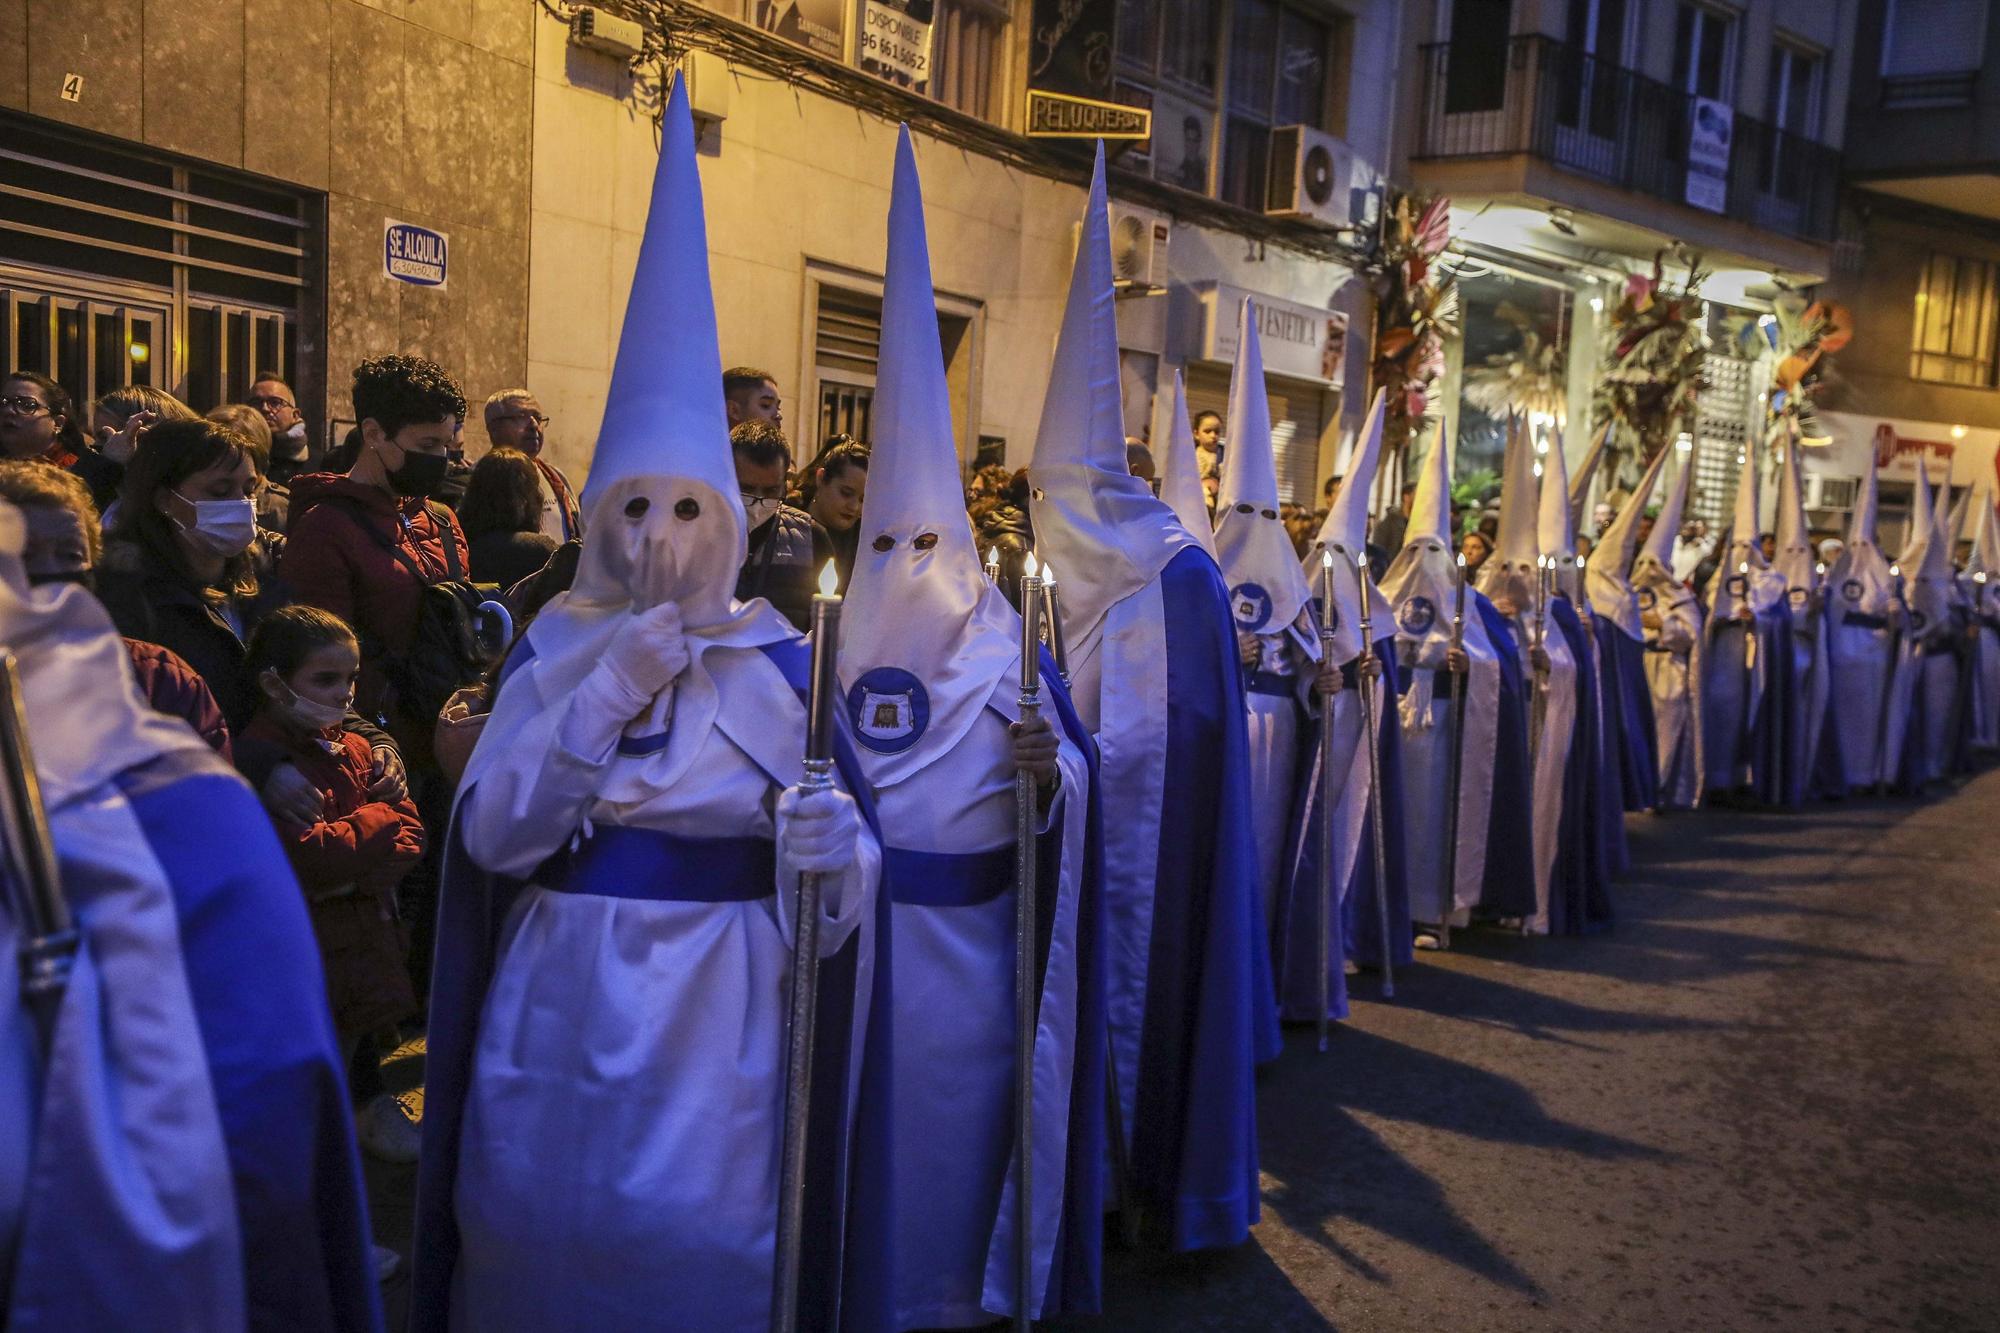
(173, 687)
(331, 563)
(356, 841)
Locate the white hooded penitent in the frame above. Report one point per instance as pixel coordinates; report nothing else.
(1180, 471)
(1509, 576)
(1345, 533)
(1102, 527)
(924, 635)
(1611, 593)
(1267, 590)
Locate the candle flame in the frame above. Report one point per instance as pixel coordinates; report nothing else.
(1361, 558)
(1029, 568)
(1980, 577)
(1461, 560)
(828, 580)
(1895, 571)
(992, 555)
(1743, 568)
(1048, 576)
(1326, 557)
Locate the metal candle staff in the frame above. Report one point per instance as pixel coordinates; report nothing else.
(1025, 990)
(1329, 795)
(802, 1016)
(1882, 777)
(1370, 742)
(48, 936)
(1457, 757)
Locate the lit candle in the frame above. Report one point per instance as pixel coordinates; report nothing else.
(1052, 607)
(1031, 626)
(992, 564)
(825, 649)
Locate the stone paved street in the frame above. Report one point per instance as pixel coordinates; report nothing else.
(1768, 1100)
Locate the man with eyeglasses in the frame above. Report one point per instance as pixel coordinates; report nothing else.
(291, 451)
(515, 420)
(787, 547)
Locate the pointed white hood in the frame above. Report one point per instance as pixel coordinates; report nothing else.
(1611, 592)
(1345, 533)
(1982, 567)
(1422, 581)
(1105, 531)
(1859, 580)
(1555, 528)
(1744, 574)
(1259, 564)
(1180, 473)
(661, 504)
(1794, 556)
(1509, 575)
(923, 633)
(1926, 567)
(1954, 528)
(1586, 472)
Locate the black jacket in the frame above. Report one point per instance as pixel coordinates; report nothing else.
(506, 558)
(787, 552)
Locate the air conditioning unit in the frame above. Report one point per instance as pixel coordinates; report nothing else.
(619, 38)
(1314, 175)
(1138, 250)
(1826, 492)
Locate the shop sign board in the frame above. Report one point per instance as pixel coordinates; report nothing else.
(1298, 341)
(1710, 130)
(413, 254)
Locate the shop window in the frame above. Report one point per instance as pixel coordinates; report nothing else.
(1167, 58)
(1958, 309)
(1704, 52)
(1280, 73)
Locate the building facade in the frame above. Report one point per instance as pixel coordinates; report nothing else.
(195, 192)
(1920, 263)
(1580, 139)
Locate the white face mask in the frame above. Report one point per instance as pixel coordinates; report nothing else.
(308, 714)
(220, 527)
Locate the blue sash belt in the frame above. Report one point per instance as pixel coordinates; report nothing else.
(948, 879)
(1270, 682)
(1865, 621)
(621, 862)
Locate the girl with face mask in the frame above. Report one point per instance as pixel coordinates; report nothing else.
(350, 857)
(185, 565)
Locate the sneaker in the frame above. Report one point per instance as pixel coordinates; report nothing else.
(1427, 940)
(386, 1133)
(387, 1262)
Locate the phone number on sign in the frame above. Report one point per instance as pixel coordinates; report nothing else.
(889, 39)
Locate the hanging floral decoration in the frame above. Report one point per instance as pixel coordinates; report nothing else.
(1804, 335)
(1532, 377)
(1651, 377)
(1416, 311)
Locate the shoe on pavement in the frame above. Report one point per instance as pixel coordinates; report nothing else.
(386, 1133)
(387, 1262)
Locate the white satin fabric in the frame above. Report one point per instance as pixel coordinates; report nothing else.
(1673, 674)
(622, 1126)
(1273, 724)
(1551, 751)
(954, 1063)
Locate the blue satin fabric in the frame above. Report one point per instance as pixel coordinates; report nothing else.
(1508, 889)
(280, 1082)
(1761, 741)
(1590, 846)
(847, 1250)
(620, 862)
(1208, 996)
(1628, 708)
(956, 879)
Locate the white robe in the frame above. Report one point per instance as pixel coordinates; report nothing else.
(1551, 752)
(954, 1063)
(619, 1161)
(1672, 652)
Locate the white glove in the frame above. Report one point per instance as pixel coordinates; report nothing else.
(643, 658)
(819, 831)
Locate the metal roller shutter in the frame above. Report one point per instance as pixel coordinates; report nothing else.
(1298, 418)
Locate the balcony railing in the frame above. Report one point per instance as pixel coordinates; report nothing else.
(1590, 117)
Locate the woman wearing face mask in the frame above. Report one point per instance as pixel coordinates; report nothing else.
(350, 855)
(63, 546)
(184, 566)
(365, 543)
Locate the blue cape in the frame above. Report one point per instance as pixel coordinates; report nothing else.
(1590, 846)
(280, 1082)
(1628, 708)
(1508, 889)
